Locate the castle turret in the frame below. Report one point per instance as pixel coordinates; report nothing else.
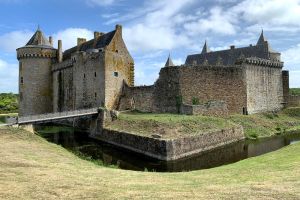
(261, 40)
(169, 62)
(205, 48)
(35, 80)
(264, 44)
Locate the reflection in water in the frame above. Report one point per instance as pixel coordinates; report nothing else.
(110, 155)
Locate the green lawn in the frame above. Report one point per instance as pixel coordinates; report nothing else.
(172, 125)
(32, 168)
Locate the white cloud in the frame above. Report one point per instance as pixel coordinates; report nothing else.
(217, 22)
(276, 14)
(69, 36)
(8, 77)
(143, 38)
(292, 62)
(291, 58)
(156, 28)
(100, 2)
(9, 42)
(294, 79)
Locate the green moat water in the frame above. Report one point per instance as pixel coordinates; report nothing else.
(80, 143)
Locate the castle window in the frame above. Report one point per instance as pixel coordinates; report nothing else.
(95, 74)
(117, 51)
(21, 80)
(116, 74)
(83, 75)
(95, 94)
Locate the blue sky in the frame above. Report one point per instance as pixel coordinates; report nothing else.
(152, 29)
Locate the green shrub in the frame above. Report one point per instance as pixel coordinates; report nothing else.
(8, 102)
(295, 91)
(252, 134)
(195, 101)
(280, 130)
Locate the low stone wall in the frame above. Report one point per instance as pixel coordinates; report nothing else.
(294, 100)
(171, 149)
(211, 108)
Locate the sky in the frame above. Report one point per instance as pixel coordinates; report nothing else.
(152, 29)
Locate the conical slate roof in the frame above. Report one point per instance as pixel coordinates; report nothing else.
(205, 48)
(38, 39)
(261, 39)
(169, 62)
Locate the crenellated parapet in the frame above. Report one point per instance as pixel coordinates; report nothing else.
(30, 52)
(259, 62)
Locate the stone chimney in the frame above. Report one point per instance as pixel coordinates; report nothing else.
(51, 40)
(80, 41)
(119, 28)
(97, 35)
(60, 53)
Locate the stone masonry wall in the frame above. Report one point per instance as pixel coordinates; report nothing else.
(35, 86)
(264, 88)
(89, 80)
(205, 83)
(118, 69)
(166, 95)
(211, 108)
(294, 100)
(170, 149)
(180, 84)
(208, 83)
(286, 87)
(63, 90)
(79, 85)
(139, 98)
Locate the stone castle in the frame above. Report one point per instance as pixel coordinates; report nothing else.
(100, 73)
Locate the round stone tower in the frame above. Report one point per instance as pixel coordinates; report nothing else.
(35, 79)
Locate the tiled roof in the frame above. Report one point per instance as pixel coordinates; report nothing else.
(101, 42)
(261, 50)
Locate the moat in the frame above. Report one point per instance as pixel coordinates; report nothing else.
(79, 143)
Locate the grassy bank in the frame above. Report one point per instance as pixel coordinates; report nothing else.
(167, 125)
(31, 168)
(172, 125)
(268, 124)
